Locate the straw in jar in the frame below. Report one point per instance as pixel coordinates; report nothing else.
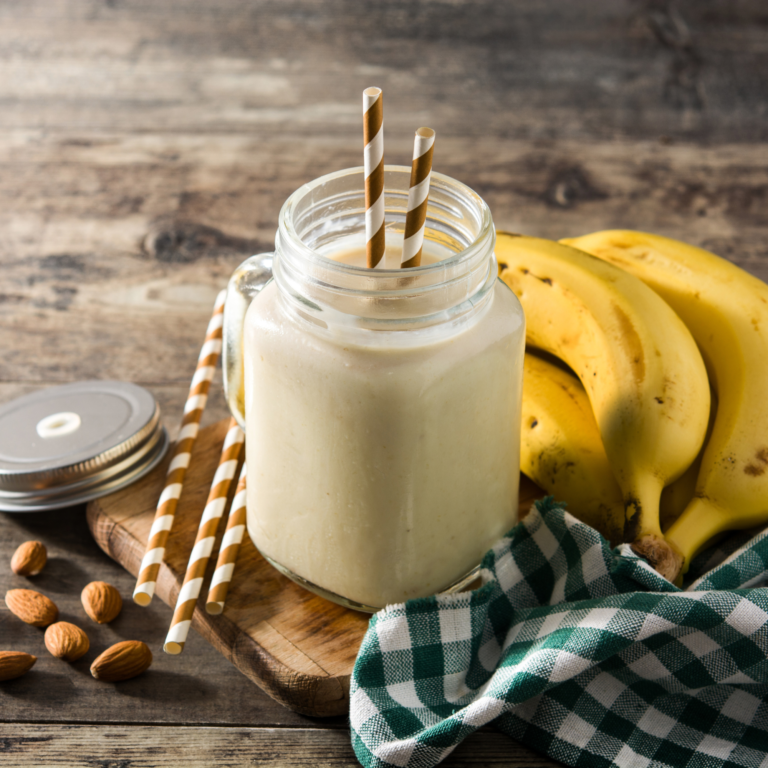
(204, 541)
(182, 451)
(418, 195)
(373, 161)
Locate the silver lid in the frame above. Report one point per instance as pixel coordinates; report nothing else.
(72, 443)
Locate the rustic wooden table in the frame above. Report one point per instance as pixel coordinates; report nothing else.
(145, 150)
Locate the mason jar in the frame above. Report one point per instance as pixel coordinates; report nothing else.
(381, 406)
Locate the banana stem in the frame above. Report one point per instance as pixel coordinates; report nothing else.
(643, 529)
(641, 507)
(664, 558)
(700, 521)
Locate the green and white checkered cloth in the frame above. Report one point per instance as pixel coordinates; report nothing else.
(578, 651)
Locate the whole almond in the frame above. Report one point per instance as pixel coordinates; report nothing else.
(14, 664)
(29, 559)
(66, 641)
(122, 661)
(31, 607)
(102, 602)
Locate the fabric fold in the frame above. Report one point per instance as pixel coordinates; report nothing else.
(581, 652)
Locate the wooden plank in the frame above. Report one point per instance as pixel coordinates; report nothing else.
(189, 207)
(529, 69)
(45, 746)
(136, 287)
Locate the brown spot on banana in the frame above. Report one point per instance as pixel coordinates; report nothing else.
(545, 280)
(632, 510)
(757, 469)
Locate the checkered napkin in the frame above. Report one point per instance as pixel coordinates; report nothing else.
(581, 652)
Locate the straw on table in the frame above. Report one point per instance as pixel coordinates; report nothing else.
(182, 450)
(206, 535)
(418, 194)
(373, 133)
(230, 546)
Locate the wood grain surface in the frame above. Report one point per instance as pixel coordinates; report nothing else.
(146, 149)
(202, 747)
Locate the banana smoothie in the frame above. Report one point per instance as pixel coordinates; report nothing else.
(381, 405)
(381, 472)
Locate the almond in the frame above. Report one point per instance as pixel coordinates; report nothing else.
(14, 664)
(66, 641)
(122, 661)
(102, 602)
(31, 607)
(29, 559)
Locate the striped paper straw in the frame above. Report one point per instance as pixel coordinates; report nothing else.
(373, 132)
(418, 193)
(230, 546)
(182, 450)
(206, 535)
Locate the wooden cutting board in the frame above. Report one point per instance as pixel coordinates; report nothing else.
(298, 647)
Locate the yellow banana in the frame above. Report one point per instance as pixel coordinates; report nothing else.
(726, 310)
(641, 369)
(677, 496)
(561, 449)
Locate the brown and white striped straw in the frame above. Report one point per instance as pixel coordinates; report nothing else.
(230, 546)
(206, 536)
(373, 161)
(418, 194)
(182, 450)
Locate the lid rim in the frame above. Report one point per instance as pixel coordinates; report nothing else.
(111, 484)
(94, 479)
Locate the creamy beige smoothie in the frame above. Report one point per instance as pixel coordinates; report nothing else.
(381, 473)
(351, 251)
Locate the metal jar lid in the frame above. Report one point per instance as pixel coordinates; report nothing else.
(69, 444)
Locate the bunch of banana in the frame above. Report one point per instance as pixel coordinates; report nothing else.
(726, 310)
(561, 449)
(640, 367)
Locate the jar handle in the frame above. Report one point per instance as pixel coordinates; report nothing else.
(246, 282)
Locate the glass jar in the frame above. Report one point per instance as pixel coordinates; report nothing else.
(381, 406)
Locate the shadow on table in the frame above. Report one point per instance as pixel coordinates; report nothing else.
(168, 687)
(60, 577)
(58, 688)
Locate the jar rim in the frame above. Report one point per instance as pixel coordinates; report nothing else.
(287, 229)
